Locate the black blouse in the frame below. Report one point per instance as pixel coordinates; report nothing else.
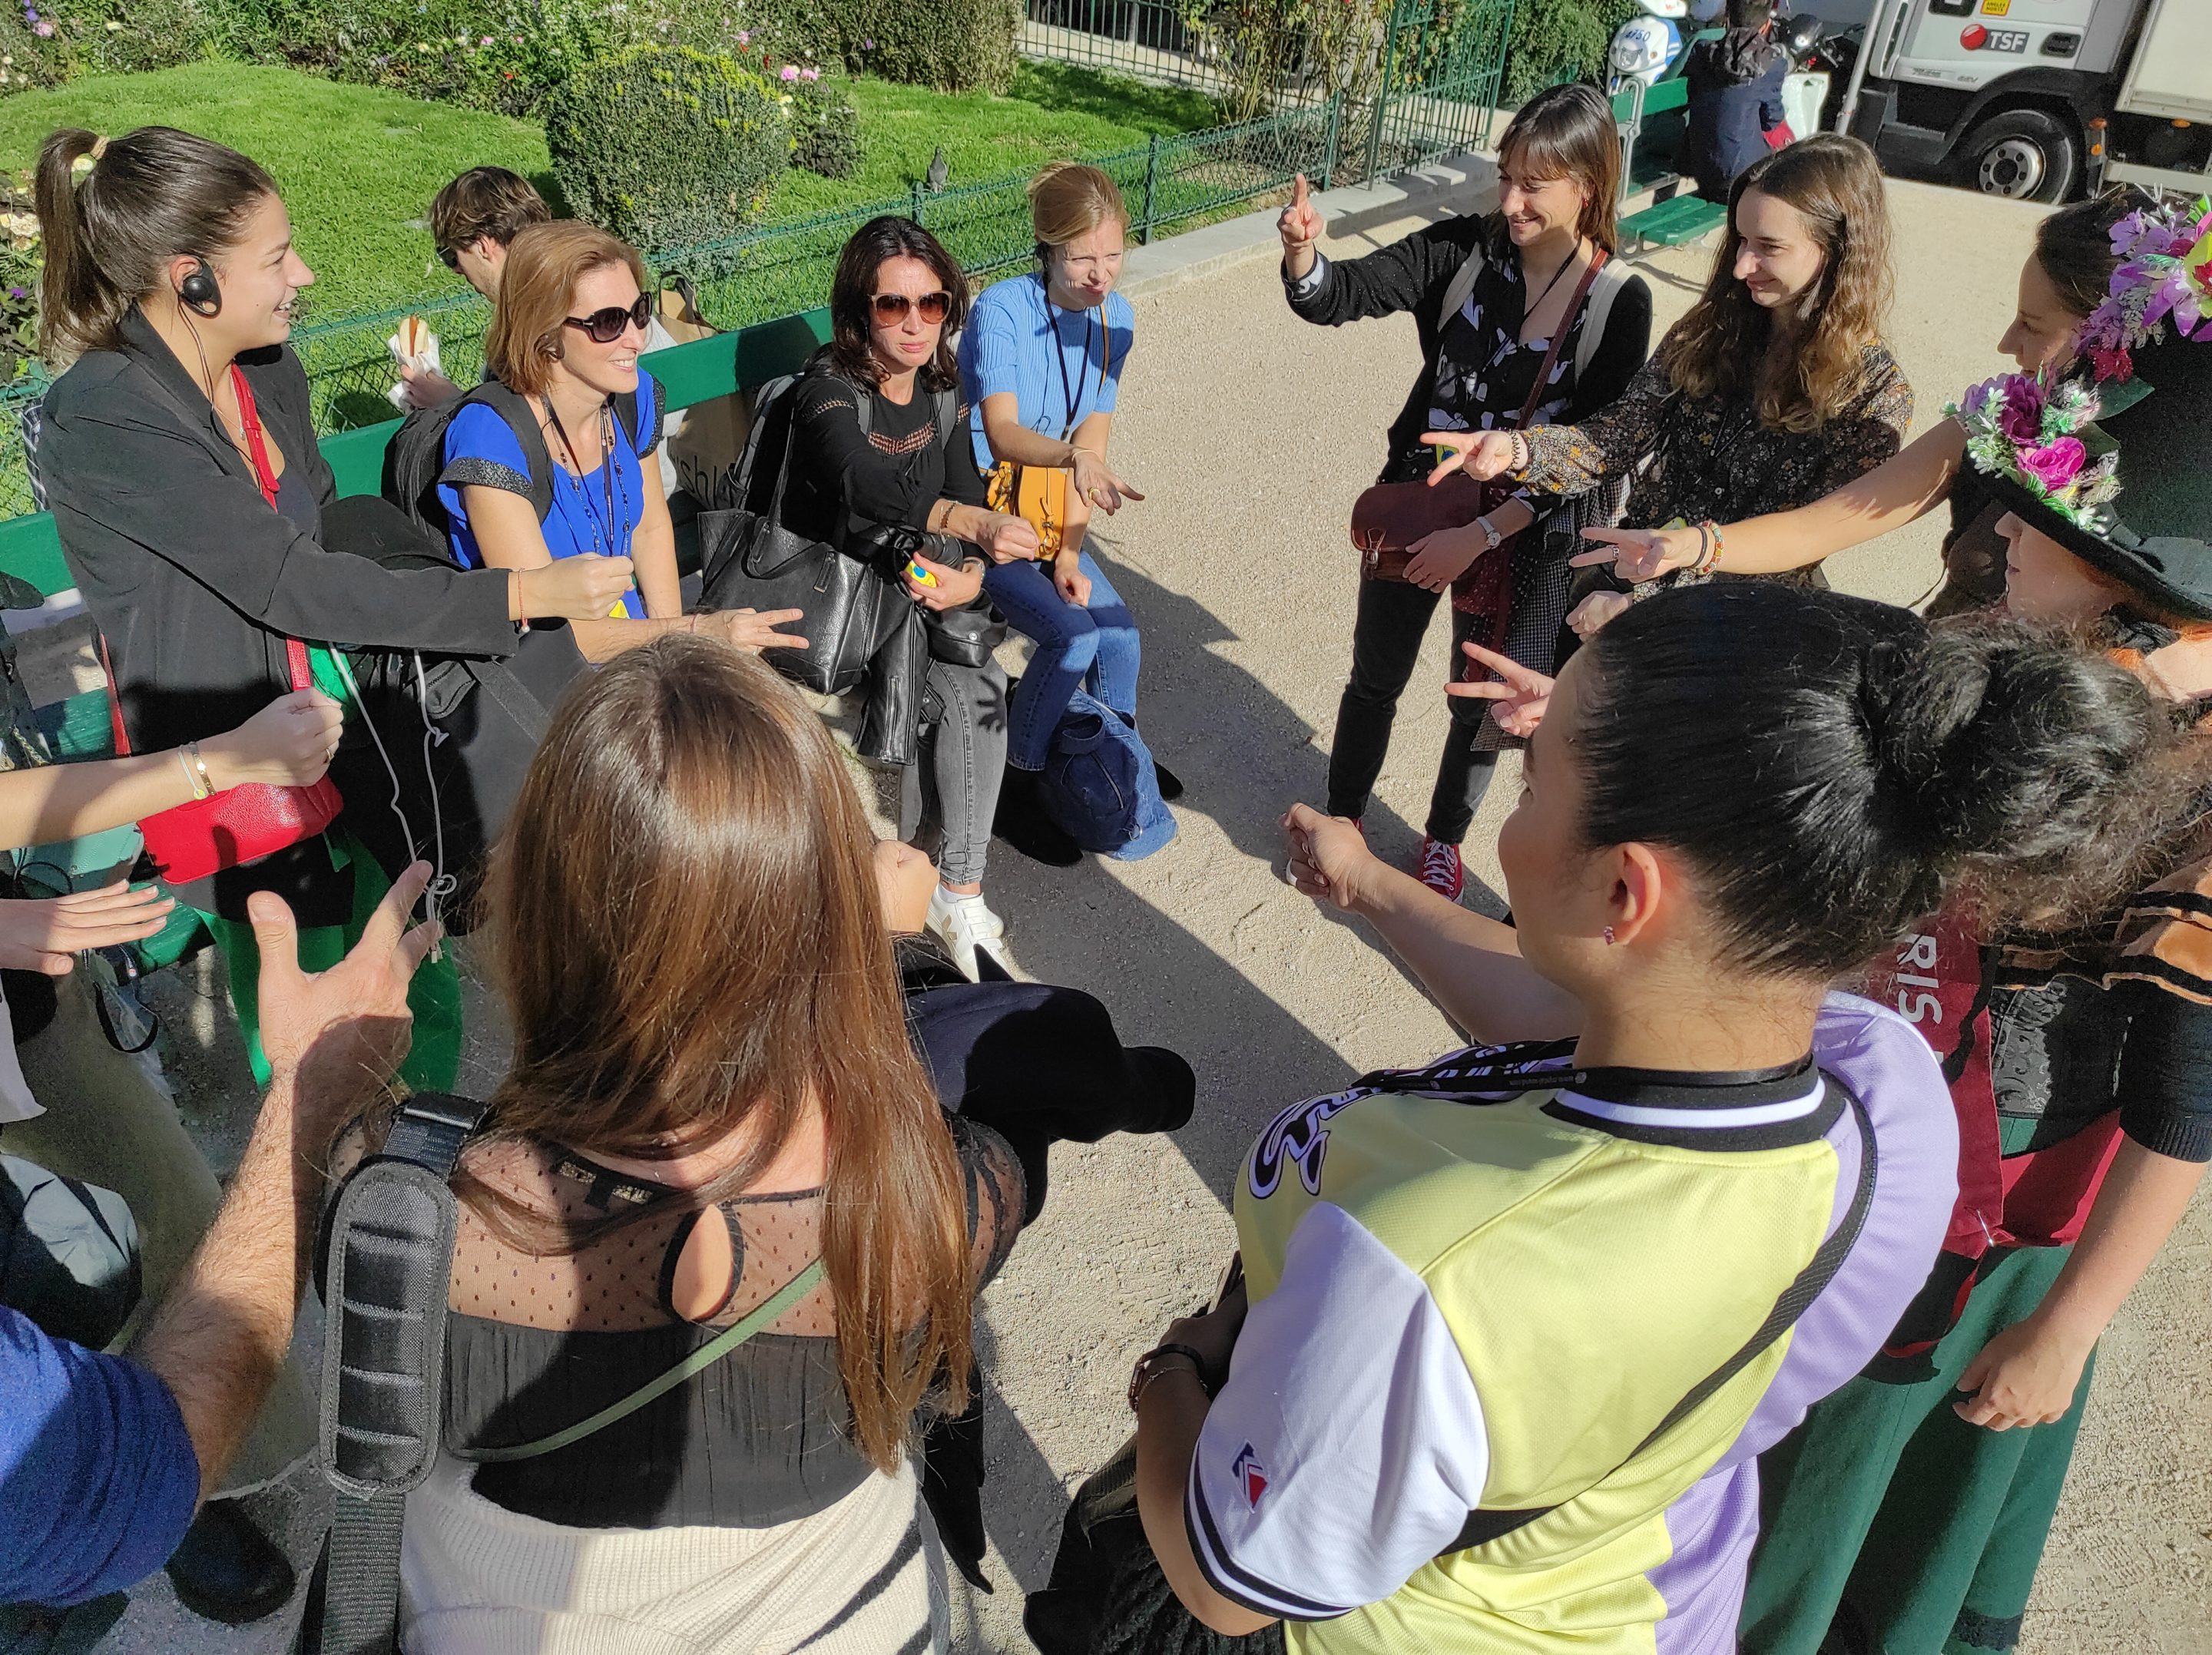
(845, 481)
(1459, 353)
(761, 1438)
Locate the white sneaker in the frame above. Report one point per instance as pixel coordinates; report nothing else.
(965, 924)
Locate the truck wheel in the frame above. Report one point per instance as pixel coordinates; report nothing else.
(2023, 153)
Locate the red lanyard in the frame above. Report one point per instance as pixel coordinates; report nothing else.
(256, 449)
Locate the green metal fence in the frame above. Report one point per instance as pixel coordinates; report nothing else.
(1144, 38)
(1444, 67)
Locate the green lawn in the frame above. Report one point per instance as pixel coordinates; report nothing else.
(358, 164)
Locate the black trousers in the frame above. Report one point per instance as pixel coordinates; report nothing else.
(1385, 642)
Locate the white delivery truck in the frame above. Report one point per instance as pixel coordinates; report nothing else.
(2038, 99)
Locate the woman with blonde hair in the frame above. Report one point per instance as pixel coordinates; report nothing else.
(712, 1114)
(1041, 362)
(566, 408)
(1774, 390)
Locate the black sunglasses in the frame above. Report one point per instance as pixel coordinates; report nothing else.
(893, 307)
(451, 259)
(606, 326)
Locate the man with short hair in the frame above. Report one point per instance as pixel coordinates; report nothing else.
(473, 221)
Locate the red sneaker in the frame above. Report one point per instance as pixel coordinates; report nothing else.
(1441, 869)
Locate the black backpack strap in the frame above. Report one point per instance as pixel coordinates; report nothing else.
(1483, 1526)
(390, 1252)
(522, 420)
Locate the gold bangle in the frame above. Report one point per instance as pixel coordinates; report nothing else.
(200, 764)
(185, 757)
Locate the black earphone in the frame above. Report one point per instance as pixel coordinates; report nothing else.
(198, 288)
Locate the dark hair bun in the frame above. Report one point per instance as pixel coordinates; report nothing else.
(1833, 767)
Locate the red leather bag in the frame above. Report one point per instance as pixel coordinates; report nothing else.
(240, 824)
(1389, 517)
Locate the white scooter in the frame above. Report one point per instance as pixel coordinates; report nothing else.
(1644, 48)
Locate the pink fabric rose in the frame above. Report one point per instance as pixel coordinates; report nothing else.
(2055, 464)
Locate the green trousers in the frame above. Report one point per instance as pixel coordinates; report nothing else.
(1928, 1528)
(434, 1062)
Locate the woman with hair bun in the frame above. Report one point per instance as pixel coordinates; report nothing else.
(1520, 1320)
(1041, 362)
(1910, 1511)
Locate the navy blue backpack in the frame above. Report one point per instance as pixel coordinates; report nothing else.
(1099, 785)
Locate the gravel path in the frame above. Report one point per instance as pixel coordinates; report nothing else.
(1251, 432)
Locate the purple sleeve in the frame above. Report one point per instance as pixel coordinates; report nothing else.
(97, 1479)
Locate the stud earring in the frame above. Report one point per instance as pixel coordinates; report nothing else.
(1609, 938)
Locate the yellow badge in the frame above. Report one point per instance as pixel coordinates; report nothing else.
(1996, 8)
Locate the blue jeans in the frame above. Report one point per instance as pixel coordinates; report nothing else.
(1093, 648)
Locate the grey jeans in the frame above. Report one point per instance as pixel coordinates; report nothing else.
(946, 801)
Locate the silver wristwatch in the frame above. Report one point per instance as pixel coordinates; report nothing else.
(1491, 538)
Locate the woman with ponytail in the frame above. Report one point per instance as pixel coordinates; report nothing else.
(177, 453)
(713, 1112)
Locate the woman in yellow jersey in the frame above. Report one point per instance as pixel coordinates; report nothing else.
(1521, 1320)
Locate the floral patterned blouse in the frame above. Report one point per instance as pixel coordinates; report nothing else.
(1710, 458)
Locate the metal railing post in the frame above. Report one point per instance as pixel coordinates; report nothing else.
(917, 193)
(1151, 187)
(1380, 111)
(1328, 149)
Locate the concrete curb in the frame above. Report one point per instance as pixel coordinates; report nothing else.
(1457, 183)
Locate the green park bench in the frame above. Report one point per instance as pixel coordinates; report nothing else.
(1651, 129)
(79, 727)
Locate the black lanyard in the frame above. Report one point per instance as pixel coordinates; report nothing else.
(1059, 355)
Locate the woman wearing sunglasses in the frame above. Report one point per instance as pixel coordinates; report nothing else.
(896, 302)
(571, 318)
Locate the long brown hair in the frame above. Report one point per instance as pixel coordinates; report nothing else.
(686, 931)
(1719, 349)
(537, 290)
(147, 197)
(1568, 131)
(852, 292)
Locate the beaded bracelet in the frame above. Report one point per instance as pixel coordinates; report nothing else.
(1710, 546)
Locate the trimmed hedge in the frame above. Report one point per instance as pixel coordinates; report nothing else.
(668, 147)
(826, 129)
(1557, 40)
(507, 55)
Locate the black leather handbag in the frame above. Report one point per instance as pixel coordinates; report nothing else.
(964, 637)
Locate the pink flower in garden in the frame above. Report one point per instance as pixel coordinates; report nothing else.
(42, 29)
(485, 41)
(790, 72)
(2055, 464)
(810, 74)
(744, 37)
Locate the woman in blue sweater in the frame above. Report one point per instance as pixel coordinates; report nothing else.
(1040, 363)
